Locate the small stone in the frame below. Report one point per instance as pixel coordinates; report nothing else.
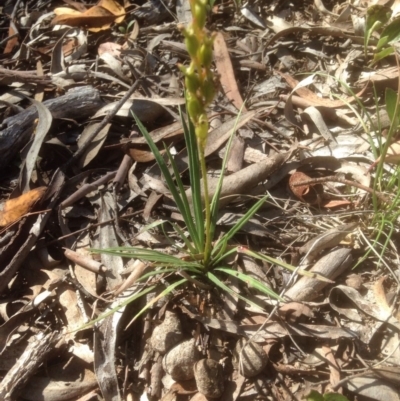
(179, 361)
(354, 281)
(167, 334)
(209, 378)
(250, 358)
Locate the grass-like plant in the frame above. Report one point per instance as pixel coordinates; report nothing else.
(202, 258)
(379, 20)
(385, 215)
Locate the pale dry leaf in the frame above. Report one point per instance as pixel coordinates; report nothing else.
(95, 145)
(45, 120)
(109, 47)
(307, 193)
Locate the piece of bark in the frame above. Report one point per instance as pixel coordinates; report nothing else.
(331, 266)
(328, 239)
(76, 104)
(244, 180)
(8, 77)
(27, 364)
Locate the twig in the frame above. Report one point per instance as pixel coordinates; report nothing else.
(334, 178)
(91, 227)
(107, 118)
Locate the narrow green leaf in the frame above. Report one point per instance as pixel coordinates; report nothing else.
(170, 181)
(212, 277)
(195, 176)
(117, 308)
(167, 291)
(384, 53)
(193, 231)
(251, 282)
(183, 237)
(391, 104)
(223, 255)
(151, 226)
(269, 259)
(215, 200)
(390, 34)
(150, 255)
(239, 224)
(383, 41)
(169, 270)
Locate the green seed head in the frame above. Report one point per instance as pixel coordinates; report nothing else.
(208, 90)
(201, 130)
(192, 83)
(199, 13)
(191, 42)
(195, 109)
(205, 55)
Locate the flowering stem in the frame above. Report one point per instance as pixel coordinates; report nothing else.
(200, 91)
(207, 247)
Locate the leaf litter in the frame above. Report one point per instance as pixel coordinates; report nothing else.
(306, 88)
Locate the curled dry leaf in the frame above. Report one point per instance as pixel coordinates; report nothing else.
(292, 311)
(96, 18)
(13, 209)
(309, 193)
(109, 47)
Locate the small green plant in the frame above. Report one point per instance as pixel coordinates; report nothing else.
(385, 216)
(377, 16)
(126, 27)
(204, 258)
(379, 20)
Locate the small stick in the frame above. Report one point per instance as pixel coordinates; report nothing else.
(334, 178)
(92, 226)
(107, 118)
(85, 261)
(85, 189)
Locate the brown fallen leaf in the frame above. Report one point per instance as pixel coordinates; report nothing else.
(292, 311)
(13, 209)
(114, 8)
(96, 18)
(109, 47)
(307, 193)
(226, 73)
(12, 42)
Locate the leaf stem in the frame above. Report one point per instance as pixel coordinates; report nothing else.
(207, 246)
